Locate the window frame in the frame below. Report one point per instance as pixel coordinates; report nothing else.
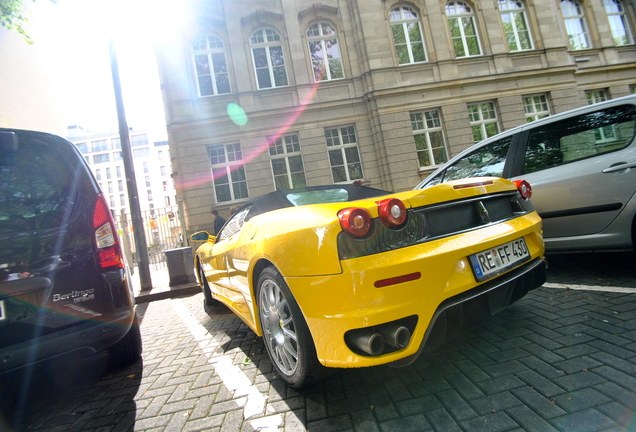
(101, 158)
(596, 95)
(342, 147)
(623, 18)
(267, 45)
(404, 23)
(210, 53)
(536, 114)
(426, 131)
(580, 20)
(460, 17)
(512, 12)
(279, 149)
(321, 38)
(482, 122)
(229, 159)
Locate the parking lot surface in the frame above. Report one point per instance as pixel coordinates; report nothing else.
(561, 359)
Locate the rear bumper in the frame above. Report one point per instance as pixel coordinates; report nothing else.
(334, 305)
(491, 297)
(86, 338)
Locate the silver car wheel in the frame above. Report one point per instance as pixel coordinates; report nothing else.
(279, 330)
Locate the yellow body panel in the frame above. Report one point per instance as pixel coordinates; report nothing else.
(336, 296)
(334, 304)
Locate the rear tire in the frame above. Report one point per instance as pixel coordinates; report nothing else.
(285, 333)
(128, 349)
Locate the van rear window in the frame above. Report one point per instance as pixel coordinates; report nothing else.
(35, 188)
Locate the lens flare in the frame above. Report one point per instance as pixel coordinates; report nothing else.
(237, 115)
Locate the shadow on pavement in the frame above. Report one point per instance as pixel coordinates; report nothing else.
(78, 391)
(598, 268)
(81, 390)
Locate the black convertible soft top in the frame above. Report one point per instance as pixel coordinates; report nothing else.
(309, 195)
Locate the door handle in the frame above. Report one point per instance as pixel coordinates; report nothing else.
(619, 167)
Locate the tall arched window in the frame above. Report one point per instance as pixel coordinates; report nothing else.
(575, 24)
(463, 30)
(618, 22)
(210, 66)
(324, 51)
(407, 35)
(269, 61)
(515, 23)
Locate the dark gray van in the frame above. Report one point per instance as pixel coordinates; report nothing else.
(64, 287)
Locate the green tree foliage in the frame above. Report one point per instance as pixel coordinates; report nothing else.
(13, 17)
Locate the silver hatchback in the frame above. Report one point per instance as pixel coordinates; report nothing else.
(581, 165)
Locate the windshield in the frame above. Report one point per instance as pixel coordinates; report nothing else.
(318, 196)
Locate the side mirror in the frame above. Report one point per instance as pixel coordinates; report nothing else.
(200, 236)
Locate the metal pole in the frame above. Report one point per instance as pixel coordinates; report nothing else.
(126, 237)
(186, 239)
(131, 183)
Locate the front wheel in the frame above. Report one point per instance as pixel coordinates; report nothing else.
(207, 293)
(285, 333)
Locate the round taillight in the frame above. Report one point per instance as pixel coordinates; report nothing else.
(355, 221)
(392, 212)
(524, 188)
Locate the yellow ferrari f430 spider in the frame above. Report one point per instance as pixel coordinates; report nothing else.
(351, 276)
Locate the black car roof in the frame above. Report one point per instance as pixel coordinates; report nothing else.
(279, 199)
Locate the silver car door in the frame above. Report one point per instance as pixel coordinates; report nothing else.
(582, 170)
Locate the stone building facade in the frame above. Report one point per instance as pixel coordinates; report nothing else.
(268, 94)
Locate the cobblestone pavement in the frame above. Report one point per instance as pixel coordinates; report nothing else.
(558, 360)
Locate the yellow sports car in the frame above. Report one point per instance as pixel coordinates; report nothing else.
(350, 276)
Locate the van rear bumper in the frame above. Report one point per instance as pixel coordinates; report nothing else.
(85, 338)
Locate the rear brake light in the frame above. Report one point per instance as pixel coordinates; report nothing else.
(107, 246)
(524, 188)
(355, 221)
(392, 212)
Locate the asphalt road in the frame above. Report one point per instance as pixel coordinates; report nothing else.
(561, 359)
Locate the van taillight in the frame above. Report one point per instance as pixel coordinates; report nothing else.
(106, 243)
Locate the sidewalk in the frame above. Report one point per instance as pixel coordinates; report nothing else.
(161, 288)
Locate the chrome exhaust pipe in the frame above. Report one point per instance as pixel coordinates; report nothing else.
(368, 341)
(396, 336)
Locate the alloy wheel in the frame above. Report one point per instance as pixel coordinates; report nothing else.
(279, 329)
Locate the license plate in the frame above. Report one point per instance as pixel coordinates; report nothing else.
(3, 314)
(495, 261)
